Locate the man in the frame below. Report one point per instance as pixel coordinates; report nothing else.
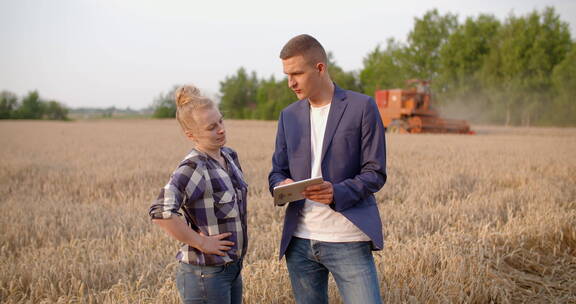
(336, 134)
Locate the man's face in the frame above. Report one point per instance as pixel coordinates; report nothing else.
(303, 78)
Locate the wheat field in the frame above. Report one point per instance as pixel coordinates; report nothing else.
(489, 218)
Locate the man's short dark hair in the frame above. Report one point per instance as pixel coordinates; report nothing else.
(306, 46)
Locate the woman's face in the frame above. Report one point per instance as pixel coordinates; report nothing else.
(209, 133)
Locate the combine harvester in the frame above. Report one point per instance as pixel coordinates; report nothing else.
(410, 111)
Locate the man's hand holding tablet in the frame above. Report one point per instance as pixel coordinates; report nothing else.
(289, 190)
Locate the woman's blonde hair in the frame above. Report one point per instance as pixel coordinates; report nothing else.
(188, 100)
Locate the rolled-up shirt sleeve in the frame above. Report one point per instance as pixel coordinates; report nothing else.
(186, 184)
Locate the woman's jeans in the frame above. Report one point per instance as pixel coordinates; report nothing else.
(351, 265)
(210, 284)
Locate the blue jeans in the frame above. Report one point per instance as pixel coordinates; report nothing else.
(210, 284)
(351, 265)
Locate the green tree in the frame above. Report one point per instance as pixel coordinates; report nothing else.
(419, 58)
(273, 96)
(346, 80)
(430, 33)
(8, 103)
(563, 111)
(463, 55)
(31, 107)
(518, 67)
(55, 111)
(457, 85)
(164, 105)
(239, 94)
(383, 69)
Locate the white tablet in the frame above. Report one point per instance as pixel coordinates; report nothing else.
(293, 192)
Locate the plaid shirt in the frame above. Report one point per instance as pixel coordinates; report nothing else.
(213, 201)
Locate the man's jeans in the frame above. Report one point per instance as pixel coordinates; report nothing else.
(351, 264)
(210, 284)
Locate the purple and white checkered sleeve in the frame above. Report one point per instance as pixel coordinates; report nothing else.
(187, 182)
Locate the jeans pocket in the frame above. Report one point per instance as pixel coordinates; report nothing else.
(189, 283)
(211, 271)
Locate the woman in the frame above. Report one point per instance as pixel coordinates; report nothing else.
(209, 188)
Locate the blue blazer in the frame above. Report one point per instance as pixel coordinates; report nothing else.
(353, 160)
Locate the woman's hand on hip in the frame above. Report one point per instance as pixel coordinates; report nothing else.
(215, 244)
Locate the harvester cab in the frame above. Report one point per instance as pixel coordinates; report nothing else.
(410, 111)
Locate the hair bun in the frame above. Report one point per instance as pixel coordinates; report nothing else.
(186, 94)
(189, 100)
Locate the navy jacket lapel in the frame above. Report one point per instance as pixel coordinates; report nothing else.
(336, 110)
(305, 148)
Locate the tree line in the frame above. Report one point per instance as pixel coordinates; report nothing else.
(30, 106)
(518, 71)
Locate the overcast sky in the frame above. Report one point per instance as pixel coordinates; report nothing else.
(124, 53)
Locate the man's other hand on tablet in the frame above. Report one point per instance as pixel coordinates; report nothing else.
(285, 182)
(321, 193)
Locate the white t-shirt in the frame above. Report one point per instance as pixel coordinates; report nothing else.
(318, 221)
